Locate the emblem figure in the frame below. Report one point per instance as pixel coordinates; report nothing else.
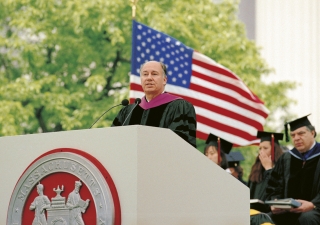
(40, 204)
(76, 205)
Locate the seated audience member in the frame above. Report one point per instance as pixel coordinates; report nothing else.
(234, 167)
(216, 150)
(158, 108)
(269, 153)
(297, 175)
(259, 218)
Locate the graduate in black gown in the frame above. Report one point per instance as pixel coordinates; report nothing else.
(234, 167)
(297, 175)
(269, 153)
(216, 149)
(158, 108)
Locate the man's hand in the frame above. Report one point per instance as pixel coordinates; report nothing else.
(265, 160)
(304, 207)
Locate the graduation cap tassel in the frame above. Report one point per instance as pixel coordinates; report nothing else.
(286, 132)
(219, 151)
(272, 148)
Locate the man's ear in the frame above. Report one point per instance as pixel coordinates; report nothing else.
(313, 133)
(166, 80)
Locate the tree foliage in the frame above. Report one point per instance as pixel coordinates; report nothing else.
(63, 63)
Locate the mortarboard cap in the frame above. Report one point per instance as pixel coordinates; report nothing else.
(267, 136)
(272, 137)
(295, 124)
(224, 145)
(234, 158)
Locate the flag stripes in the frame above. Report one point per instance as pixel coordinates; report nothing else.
(224, 104)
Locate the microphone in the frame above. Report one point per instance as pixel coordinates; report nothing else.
(124, 102)
(137, 102)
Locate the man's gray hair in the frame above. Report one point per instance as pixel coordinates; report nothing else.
(311, 128)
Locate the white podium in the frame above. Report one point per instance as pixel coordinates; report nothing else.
(160, 179)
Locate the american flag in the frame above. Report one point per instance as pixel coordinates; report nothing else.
(224, 104)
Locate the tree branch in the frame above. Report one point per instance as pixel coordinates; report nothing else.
(38, 114)
(112, 71)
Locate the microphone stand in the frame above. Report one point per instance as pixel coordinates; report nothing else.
(124, 102)
(137, 101)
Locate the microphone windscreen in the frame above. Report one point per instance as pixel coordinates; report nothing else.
(138, 100)
(125, 102)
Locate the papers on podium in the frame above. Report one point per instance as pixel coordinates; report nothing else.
(259, 205)
(258, 201)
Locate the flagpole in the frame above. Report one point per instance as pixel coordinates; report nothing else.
(134, 7)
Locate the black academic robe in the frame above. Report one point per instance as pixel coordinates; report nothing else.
(258, 191)
(178, 115)
(296, 177)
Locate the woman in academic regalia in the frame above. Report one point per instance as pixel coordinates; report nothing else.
(269, 153)
(216, 149)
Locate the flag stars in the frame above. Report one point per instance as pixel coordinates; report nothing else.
(153, 45)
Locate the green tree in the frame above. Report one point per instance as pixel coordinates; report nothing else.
(63, 63)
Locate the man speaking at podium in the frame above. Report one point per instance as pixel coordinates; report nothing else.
(158, 108)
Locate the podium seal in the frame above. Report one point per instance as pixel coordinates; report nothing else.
(64, 187)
